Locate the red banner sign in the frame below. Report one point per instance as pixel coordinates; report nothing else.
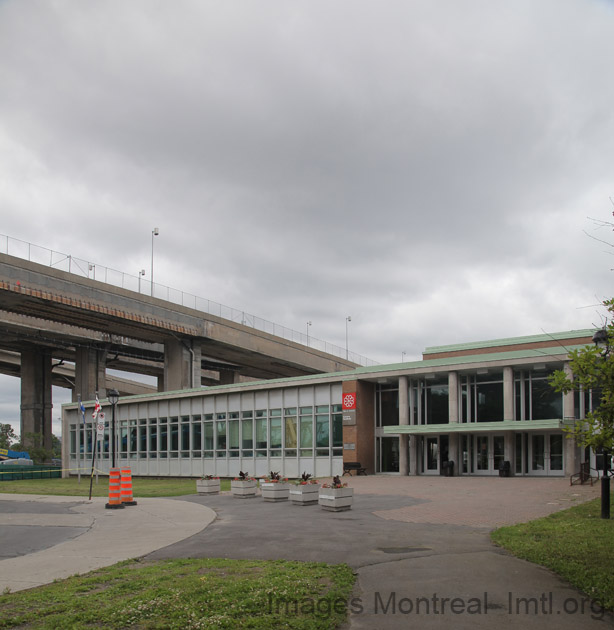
(349, 401)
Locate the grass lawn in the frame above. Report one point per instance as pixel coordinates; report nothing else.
(188, 593)
(575, 543)
(141, 487)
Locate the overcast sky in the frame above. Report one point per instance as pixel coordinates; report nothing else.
(426, 167)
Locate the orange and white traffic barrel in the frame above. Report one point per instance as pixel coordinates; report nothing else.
(115, 501)
(126, 487)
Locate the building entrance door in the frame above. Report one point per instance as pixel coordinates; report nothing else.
(388, 454)
(431, 456)
(546, 454)
(489, 454)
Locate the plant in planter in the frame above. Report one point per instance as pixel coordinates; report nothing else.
(243, 486)
(336, 496)
(275, 487)
(305, 490)
(208, 484)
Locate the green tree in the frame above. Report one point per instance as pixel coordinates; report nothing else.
(7, 435)
(593, 370)
(33, 444)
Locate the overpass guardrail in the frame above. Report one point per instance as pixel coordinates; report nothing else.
(86, 269)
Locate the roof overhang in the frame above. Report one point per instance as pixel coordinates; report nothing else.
(479, 427)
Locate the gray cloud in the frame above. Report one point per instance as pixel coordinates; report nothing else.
(425, 167)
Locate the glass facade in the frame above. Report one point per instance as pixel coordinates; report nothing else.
(291, 432)
(534, 398)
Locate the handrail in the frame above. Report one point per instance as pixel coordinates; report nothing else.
(86, 269)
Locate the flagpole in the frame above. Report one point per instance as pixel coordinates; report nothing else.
(94, 437)
(82, 409)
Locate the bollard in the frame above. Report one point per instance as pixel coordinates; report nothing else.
(114, 493)
(126, 487)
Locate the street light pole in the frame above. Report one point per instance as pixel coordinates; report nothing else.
(601, 338)
(154, 232)
(347, 319)
(308, 324)
(141, 273)
(113, 396)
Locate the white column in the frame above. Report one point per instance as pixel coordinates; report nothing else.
(453, 447)
(403, 421)
(571, 450)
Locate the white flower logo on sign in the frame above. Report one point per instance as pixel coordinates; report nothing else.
(348, 400)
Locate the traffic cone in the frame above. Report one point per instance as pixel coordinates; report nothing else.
(126, 487)
(114, 493)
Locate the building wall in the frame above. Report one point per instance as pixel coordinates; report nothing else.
(169, 436)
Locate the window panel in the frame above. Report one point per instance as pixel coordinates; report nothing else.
(306, 432)
(322, 430)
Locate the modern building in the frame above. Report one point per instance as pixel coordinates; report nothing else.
(463, 410)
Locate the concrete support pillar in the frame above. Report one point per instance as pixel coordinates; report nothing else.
(508, 414)
(228, 377)
(508, 393)
(182, 365)
(572, 453)
(453, 444)
(403, 421)
(36, 402)
(413, 440)
(90, 365)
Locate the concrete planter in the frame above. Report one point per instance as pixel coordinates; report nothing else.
(336, 499)
(306, 494)
(243, 489)
(275, 491)
(208, 486)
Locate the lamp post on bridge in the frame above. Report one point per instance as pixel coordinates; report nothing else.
(154, 232)
(347, 319)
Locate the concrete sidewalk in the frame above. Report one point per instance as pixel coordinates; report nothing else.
(88, 535)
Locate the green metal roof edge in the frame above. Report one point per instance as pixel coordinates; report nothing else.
(347, 375)
(537, 353)
(493, 343)
(476, 427)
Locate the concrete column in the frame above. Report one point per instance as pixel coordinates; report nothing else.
(453, 444)
(572, 453)
(228, 377)
(90, 366)
(403, 421)
(181, 365)
(413, 440)
(36, 402)
(508, 414)
(508, 393)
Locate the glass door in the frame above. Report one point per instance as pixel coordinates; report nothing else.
(498, 449)
(537, 455)
(482, 453)
(431, 455)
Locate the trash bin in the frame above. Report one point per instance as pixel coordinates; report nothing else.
(450, 469)
(504, 469)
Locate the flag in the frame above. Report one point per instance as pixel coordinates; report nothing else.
(97, 408)
(82, 409)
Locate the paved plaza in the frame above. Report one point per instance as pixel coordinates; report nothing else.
(420, 546)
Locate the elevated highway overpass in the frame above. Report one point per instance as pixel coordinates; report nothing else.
(58, 327)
